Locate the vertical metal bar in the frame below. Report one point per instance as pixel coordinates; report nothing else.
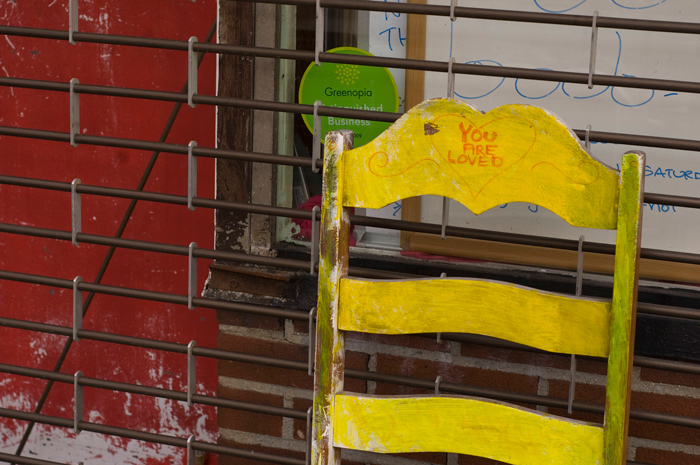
(72, 19)
(192, 65)
(594, 47)
(76, 220)
(314, 239)
(320, 32)
(316, 149)
(453, 3)
(191, 275)
(312, 341)
(77, 401)
(438, 380)
(307, 459)
(74, 110)
(450, 78)
(445, 216)
(190, 450)
(579, 289)
(587, 140)
(191, 174)
(77, 308)
(191, 372)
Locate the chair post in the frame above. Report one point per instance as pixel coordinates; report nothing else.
(333, 265)
(624, 308)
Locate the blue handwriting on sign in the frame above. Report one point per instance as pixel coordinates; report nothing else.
(560, 85)
(641, 5)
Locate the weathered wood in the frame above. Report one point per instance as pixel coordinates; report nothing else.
(448, 148)
(234, 125)
(466, 426)
(624, 309)
(333, 266)
(530, 157)
(547, 321)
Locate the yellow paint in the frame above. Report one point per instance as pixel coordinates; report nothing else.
(465, 426)
(543, 320)
(624, 305)
(448, 148)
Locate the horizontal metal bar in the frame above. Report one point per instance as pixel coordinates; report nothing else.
(153, 295)
(151, 391)
(501, 15)
(149, 437)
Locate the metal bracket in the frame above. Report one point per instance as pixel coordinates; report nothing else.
(74, 109)
(453, 3)
(316, 149)
(587, 141)
(76, 220)
(314, 239)
(191, 174)
(450, 78)
(72, 19)
(77, 401)
(312, 341)
(191, 275)
(191, 372)
(594, 47)
(445, 216)
(579, 288)
(77, 308)
(438, 380)
(320, 32)
(191, 72)
(190, 450)
(307, 459)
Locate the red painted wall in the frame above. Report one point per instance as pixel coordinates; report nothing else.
(119, 66)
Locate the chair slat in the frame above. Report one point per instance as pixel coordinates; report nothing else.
(448, 148)
(546, 321)
(465, 426)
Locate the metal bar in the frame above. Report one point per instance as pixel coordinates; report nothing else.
(77, 308)
(74, 110)
(77, 401)
(75, 210)
(191, 275)
(432, 10)
(191, 175)
(192, 67)
(151, 391)
(144, 436)
(105, 263)
(191, 372)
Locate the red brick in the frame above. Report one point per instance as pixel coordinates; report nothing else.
(429, 370)
(282, 350)
(665, 457)
(670, 377)
(589, 393)
(526, 357)
(300, 425)
(249, 421)
(249, 320)
(233, 460)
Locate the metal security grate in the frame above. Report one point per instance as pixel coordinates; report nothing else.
(83, 291)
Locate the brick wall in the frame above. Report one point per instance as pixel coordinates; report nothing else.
(424, 358)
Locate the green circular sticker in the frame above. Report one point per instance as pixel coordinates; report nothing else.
(349, 86)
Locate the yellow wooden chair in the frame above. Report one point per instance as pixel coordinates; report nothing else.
(515, 153)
